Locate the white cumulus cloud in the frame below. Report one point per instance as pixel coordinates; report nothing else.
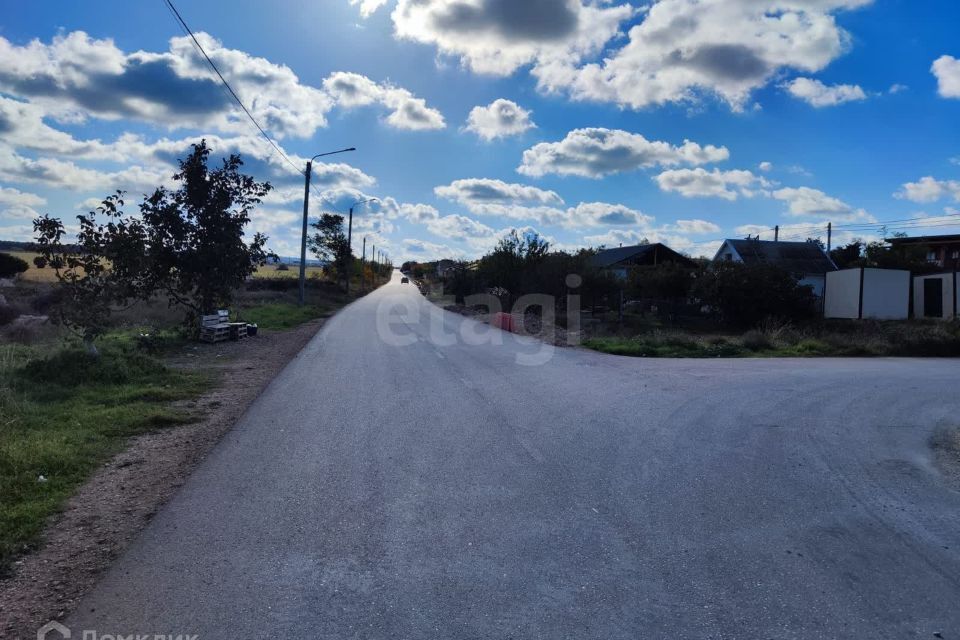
(684, 49)
(499, 36)
(820, 95)
(596, 152)
(499, 119)
(929, 189)
(700, 183)
(947, 71)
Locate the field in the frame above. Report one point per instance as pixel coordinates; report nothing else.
(266, 271)
(292, 271)
(33, 274)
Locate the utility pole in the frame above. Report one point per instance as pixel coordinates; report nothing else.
(306, 209)
(829, 235)
(303, 234)
(349, 249)
(363, 257)
(776, 233)
(350, 240)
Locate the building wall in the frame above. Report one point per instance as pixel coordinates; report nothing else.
(815, 281)
(842, 294)
(886, 294)
(948, 294)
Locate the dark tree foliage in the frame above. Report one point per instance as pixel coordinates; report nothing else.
(882, 256)
(198, 256)
(667, 281)
(743, 295)
(848, 255)
(105, 268)
(11, 265)
(513, 263)
(186, 244)
(329, 243)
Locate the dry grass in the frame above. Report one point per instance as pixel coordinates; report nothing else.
(33, 274)
(266, 271)
(293, 271)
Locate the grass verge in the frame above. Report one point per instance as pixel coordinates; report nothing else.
(283, 315)
(62, 414)
(910, 338)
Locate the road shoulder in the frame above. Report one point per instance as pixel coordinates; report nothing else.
(113, 506)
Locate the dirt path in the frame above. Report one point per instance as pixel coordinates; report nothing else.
(108, 511)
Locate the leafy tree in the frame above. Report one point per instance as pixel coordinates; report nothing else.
(511, 261)
(195, 240)
(329, 243)
(667, 281)
(848, 255)
(105, 268)
(882, 256)
(743, 295)
(186, 243)
(11, 266)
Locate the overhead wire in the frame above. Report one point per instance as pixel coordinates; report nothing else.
(226, 85)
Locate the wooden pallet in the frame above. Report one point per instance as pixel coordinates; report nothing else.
(215, 327)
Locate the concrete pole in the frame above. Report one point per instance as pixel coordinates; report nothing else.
(303, 234)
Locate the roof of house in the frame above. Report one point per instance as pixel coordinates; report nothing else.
(948, 238)
(611, 257)
(795, 257)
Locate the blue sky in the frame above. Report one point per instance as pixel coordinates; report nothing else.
(681, 121)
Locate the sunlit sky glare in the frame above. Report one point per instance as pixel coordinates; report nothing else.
(593, 122)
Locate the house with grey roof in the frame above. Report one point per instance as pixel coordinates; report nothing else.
(620, 260)
(806, 261)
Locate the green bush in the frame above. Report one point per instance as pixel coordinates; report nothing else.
(116, 364)
(755, 341)
(11, 266)
(744, 295)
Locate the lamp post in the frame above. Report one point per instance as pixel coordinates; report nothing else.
(350, 240)
(363, 259)
(306, 207)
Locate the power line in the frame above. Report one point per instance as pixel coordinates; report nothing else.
(226, 84)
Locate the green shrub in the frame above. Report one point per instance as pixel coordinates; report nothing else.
(743, 295)
(11, 266)
(755, 341)
(74, 367)
(8, 313)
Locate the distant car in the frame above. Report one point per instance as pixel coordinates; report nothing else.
(404, 280)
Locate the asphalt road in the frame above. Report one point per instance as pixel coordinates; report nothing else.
(437, 490)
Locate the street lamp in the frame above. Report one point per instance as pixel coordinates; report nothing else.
(306, 206)
(350, 239)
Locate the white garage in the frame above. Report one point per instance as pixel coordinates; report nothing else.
(881, 294)
(935, 296)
